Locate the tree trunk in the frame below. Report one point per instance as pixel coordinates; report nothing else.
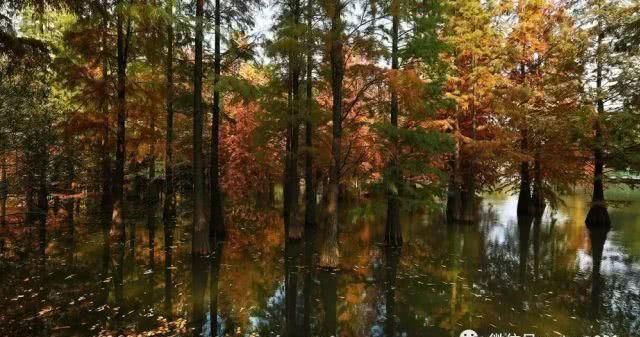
(598, 186)
(524, 197)
(4, 192)
(393, 232)
(117, 217)
(200, 245)
(330, 255)
(598, 215)
(69, 177)
(310, 193)
(107, 197)
(468, 191)
(42, 163)
(294, 227)
(169, 225)
(169, 197)
(537, 195)
(29, 195)
(453, 190)
(218, 229)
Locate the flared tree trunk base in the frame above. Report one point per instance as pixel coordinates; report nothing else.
(598, 217)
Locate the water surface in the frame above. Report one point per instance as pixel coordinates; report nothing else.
(549, 276)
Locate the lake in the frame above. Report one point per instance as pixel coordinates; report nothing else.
(547, 276)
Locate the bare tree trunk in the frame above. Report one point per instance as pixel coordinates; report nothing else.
(117, 217)
(4, 191)
(169, 209)
(537, 194)
(393, 232)
(169, 224)
(200, 245)
(169, 198)
(107, 197)
(310, 193)
(329, 256)
(453, 191)
(294, 227)
(524, 198)
(218, 229)
(151, 195)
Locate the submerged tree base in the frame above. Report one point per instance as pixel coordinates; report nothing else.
(598, 216)
(330, 256)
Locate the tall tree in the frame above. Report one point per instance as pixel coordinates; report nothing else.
(170, 198)
(310, 193)
(598, 214)
(237, 15)
(393, 233)
(201, 232)
(217, 212)
(105, 151)
(292, 225)
(123, 40)
(330, 254)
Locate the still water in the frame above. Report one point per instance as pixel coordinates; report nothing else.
(548, 276)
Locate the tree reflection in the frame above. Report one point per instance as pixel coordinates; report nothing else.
(169, 226)
(292, 271)
(216, 260)
(597, 236)
(329, 300)
(200, 269)
(524, 233)
(309, 236)
(391, 259)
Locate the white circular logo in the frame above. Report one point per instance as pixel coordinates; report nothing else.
(468, 333)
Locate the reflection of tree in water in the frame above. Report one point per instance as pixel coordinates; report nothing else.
(446, 277)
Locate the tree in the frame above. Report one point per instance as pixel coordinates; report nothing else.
(237, 13)
(542, 93)
(474, 57)
(310, 192)
(169, 210)
(601, 15)
(123, 42)
(200, 225)
(393, 232)
(333, 9)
